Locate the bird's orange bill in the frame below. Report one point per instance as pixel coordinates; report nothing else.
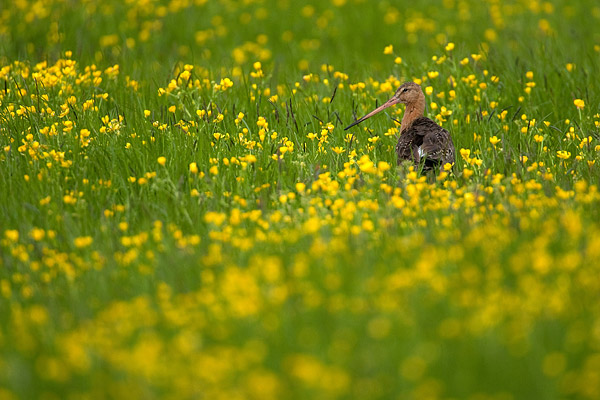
(382, 107)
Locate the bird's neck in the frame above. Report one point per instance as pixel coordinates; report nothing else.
(413, 111)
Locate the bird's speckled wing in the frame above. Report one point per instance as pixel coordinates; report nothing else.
(407, 147)
(437, 144)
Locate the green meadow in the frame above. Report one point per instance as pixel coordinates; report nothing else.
(183, 216)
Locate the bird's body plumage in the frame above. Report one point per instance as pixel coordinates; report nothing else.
(425, 142)
(421, 140)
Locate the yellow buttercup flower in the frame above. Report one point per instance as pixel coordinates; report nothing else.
(82, 241)
(565, 155)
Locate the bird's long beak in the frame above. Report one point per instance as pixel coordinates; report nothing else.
(389, 103)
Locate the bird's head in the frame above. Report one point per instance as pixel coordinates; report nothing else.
(407, 93)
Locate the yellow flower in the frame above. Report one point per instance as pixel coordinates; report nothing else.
(490, 35)
(388, 49)
(563, 154)
(226, 83)
(383, 166)
(450, 46)
(366, 165)
(82, 241)
(12, 235)
(494, 140)
(146, 113)
(193, 168)
(300, 187)
(172, 109)
(465, 153)
(579, 103)
(214, 170)
(68, 199)
(262, 122)
(37, 234)
(161, 160)
(398, 60)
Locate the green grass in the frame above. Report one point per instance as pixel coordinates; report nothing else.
(151, 250)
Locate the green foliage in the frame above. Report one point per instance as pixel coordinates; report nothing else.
(182, 214)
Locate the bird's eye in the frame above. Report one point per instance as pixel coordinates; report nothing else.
(404, 90)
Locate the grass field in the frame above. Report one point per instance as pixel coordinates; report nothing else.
(182, 215)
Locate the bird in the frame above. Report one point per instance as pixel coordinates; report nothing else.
(421, 140)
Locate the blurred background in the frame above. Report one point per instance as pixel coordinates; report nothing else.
(153, 35)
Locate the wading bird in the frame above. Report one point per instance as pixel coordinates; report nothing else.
(421, 140)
